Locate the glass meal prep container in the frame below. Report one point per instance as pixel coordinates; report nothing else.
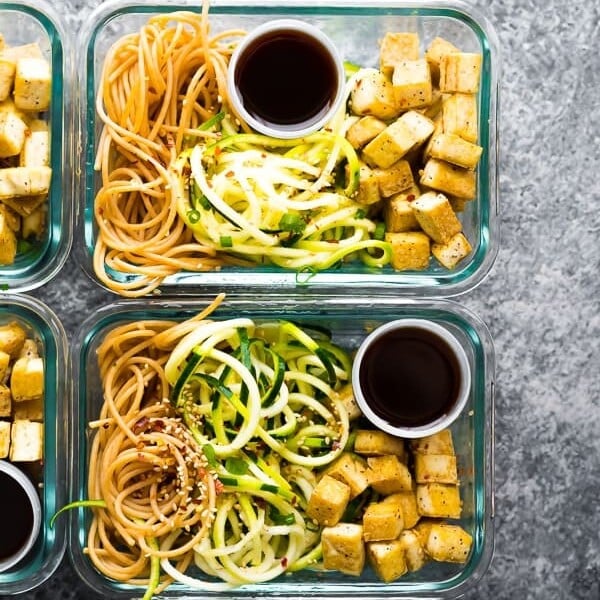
(348, 321)
(355, 28)
(49, 475)
(39, 258)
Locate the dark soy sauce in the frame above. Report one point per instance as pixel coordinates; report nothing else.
(16, 515)
(286, 77)
(410, 377)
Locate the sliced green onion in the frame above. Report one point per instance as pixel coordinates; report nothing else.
(226, 241)
(292, 222)
(379, 233)
(77, 504)
(193, 216)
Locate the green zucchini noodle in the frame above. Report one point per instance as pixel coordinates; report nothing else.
(207, 449)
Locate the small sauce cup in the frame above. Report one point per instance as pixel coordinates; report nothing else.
(286, 79)
(411, 377)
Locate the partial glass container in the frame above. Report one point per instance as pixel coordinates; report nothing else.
(49, 475)
(355, 27)
(349, 321)
(37, 261)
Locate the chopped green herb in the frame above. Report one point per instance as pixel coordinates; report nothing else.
(226, 241)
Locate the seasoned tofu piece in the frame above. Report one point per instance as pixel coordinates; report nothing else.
(328, 501)
(12, 218)
(394, 179)
(459, 116)
(448, 543)
(34, 224)
(460, 72)
(422, 530)
(27, 379)
(407, 501)
(29, 349)
(12, 134)
(438, 500)
(458, 204)
(14, 53)
(8, 241)
(388, 475)
(410, 250)
(368, 186)
(5, 401)
(412, 84)
(436, 443)
(453, 149)
(438, 468)
(382, 521)
(414, 553)
(398, 213)
(12, 338)
(352, 471)
(346, 396)
(7, 77)
(438, 48)
(24, 181)
(364, 130)
(434, 108)
(343, 548)
(436, 217)
(25, 205)
(374, 95)
(36, 146)
(377, 443)
(450, 179)
(387, 559)
(397, 47)
(4, 439)
(31, 410)
(4, 366)
(33, 84)
(452, 252)
(27, 441)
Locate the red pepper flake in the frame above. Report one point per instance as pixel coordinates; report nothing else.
(218, 151)
(284, 562)
(229, 174)
(218, 486)
(410, 197)
(141, 425)
(336, 445)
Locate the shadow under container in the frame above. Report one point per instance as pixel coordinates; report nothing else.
(40, 260)
(348, 321)
(50, 475)
(355, 28)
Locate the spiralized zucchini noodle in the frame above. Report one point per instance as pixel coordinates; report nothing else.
(207, 447)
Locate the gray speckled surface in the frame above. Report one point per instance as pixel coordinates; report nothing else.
(541, 302)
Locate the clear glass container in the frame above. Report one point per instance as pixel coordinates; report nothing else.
(349, 320)
(355, 27)
(23, 23)
(49, 476)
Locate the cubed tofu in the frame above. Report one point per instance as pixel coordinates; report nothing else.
(453, 149)
(460, 72)
(12, 338)
(4, 366)
(452, 252)
(438, 48)
(458, 204)
(32, 410)
(450, 179)
(368, 186)
(396, 47)
(394, 179)
(328, 501)
(436, 217)
(29, 349)
(388, 475)
(8, 240)
(25, 205)
(414, 553)
(438, 128)
(364, 130)
(5, 401)
(377, 443)
(13, 220)
(404, 134)
(436, 443)
(438, 468)
(411, 81)
(24, 181)
(422, 530)
(34, 224)
(351, 470)
(459, 116)
(434, 108)
(4, 439)
(398, 213)
(374, 95)
(27, 379)
(410, 250)
(33, 84)
(343, 548)
(387, 559)
(7, 77)
(26, 441)
(382, 521)
(346, 397)
(438, 500)
(36, 146)
(448, 543)
(12, 134)
(14, 53)
(407, 501)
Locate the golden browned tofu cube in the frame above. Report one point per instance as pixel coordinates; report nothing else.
(34, 224)
(434, 108)
(396, 47)
(374, 442)
(27, 441)
(12, 338)
(364, 130)
(374, 95)
(387, 559)
(27, 379)
(410, 250)
(12, 134)
(24, 181)
(453, 149)
(382, 521)
(5, 401)
(388, 475)
(31, 410)
(407, 501)
(448, 543)
(4, 366)
(328, 501)
(346, 397)
(7, 77)
(33, 84)
(14, 53)
(343, 548)
(452, 252)
(8, 241)
(36, 147)
(414, 553)
(438, 468)
(4, 439)
(29, 349)
(459, 116)
(352, 471)
(398, 213)
(368, 186)
(459, 72)
(438, 500)
(422, 530)
(412, 84)
(450, 179)
(394, 179)
(436, 217)
(438, 48)
(437, 443)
